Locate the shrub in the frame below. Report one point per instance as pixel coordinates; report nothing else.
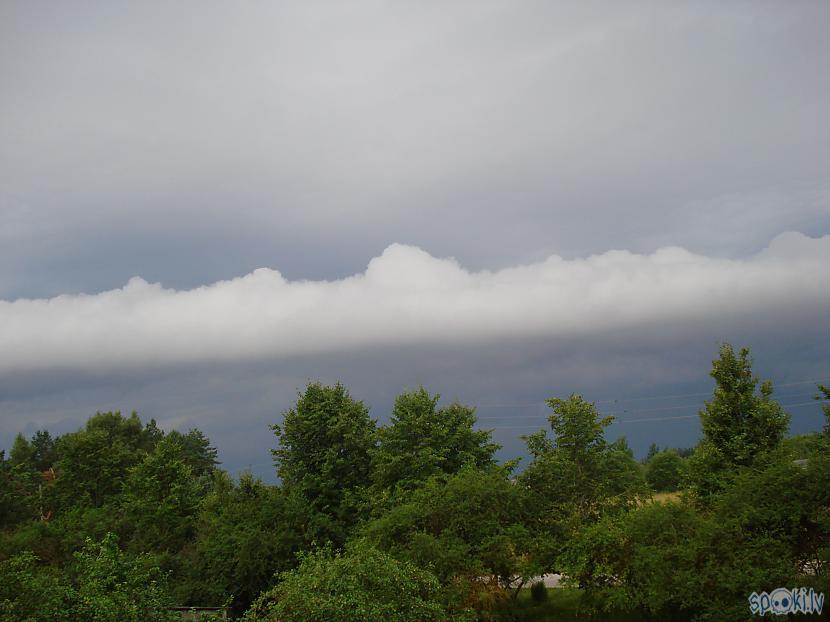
(538, 592)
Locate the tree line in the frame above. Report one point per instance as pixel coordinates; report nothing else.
(416, 519)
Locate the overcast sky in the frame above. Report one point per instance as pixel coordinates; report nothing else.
(205, 205)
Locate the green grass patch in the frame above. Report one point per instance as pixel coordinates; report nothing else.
(562, 605)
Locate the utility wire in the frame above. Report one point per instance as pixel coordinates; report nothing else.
(657, 397)
(646, 419)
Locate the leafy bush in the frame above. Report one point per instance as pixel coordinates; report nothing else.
(360, 585)
(538, 592)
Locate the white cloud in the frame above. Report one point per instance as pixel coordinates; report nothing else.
(406, 296)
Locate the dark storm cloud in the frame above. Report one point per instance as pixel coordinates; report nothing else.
(406, 297)
(191, 143)
(186, 142)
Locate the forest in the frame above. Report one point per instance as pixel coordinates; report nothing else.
(416, 519)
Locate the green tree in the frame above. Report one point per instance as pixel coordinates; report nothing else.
(33, 593)
(324, 455)
(93, 463)
(360, 585)
(577, 474)
(17, 493)
(665, 471)
(102, 584)
(160, 499)
(245, 534)
(462, 527)
(197, 452)
(43, 450)
(740, 423)
(112, 585)
(423, 440)
(22, 455)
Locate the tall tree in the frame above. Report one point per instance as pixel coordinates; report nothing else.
(93, 463)
(576, 476)
(740, 423)
(197, 452)
(160, 499)
(245, 534)
(423, 440)
(43, 450)
(323, 453)
(22, 455)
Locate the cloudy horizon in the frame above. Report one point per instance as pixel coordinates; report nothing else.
(204, 206)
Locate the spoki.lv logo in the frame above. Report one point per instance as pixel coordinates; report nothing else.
(783, 601)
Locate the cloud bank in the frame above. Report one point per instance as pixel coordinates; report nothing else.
(406, 296)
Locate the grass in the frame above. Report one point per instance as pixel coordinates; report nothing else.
(667, 497)
(562, 605)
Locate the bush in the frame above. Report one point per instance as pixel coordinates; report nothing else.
(538, 592)
(360, 585)
(665, 471)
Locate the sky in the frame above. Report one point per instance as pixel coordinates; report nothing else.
(204, 206)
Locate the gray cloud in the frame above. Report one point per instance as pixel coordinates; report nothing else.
(192, 142)
(407, 297)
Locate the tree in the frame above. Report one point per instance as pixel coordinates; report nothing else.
(770, 527)
(160, 499)
(43, 450)
(245, 534)
(93, 463)
(324, 453)
(361, 584)
(423, 440)
(740, 423)
(463, 527)
(653, 450)
(197, 452)
(112, 585)
(103, 584)
(33, 593)
(22, 455)
(665, 471)
(17, 488)
(577, 474)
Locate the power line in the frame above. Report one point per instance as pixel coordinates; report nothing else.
(656, 397)
(646, 419)
(646, 410)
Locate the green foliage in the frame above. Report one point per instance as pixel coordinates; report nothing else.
(576, 476)
(361, 585)
(324, 455)
(112, 585)
(30, 593)
(538, 592)
(160, 499)
(446, 534)
(824, 395)
(104, 585)
(665, 471)
(43, 450)
(196, 452)
(462, 528)
(18, 492)
(245, 534)
(739, 424)
(93, 463)
(770, 528)
(22, 455)
(423, 440)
